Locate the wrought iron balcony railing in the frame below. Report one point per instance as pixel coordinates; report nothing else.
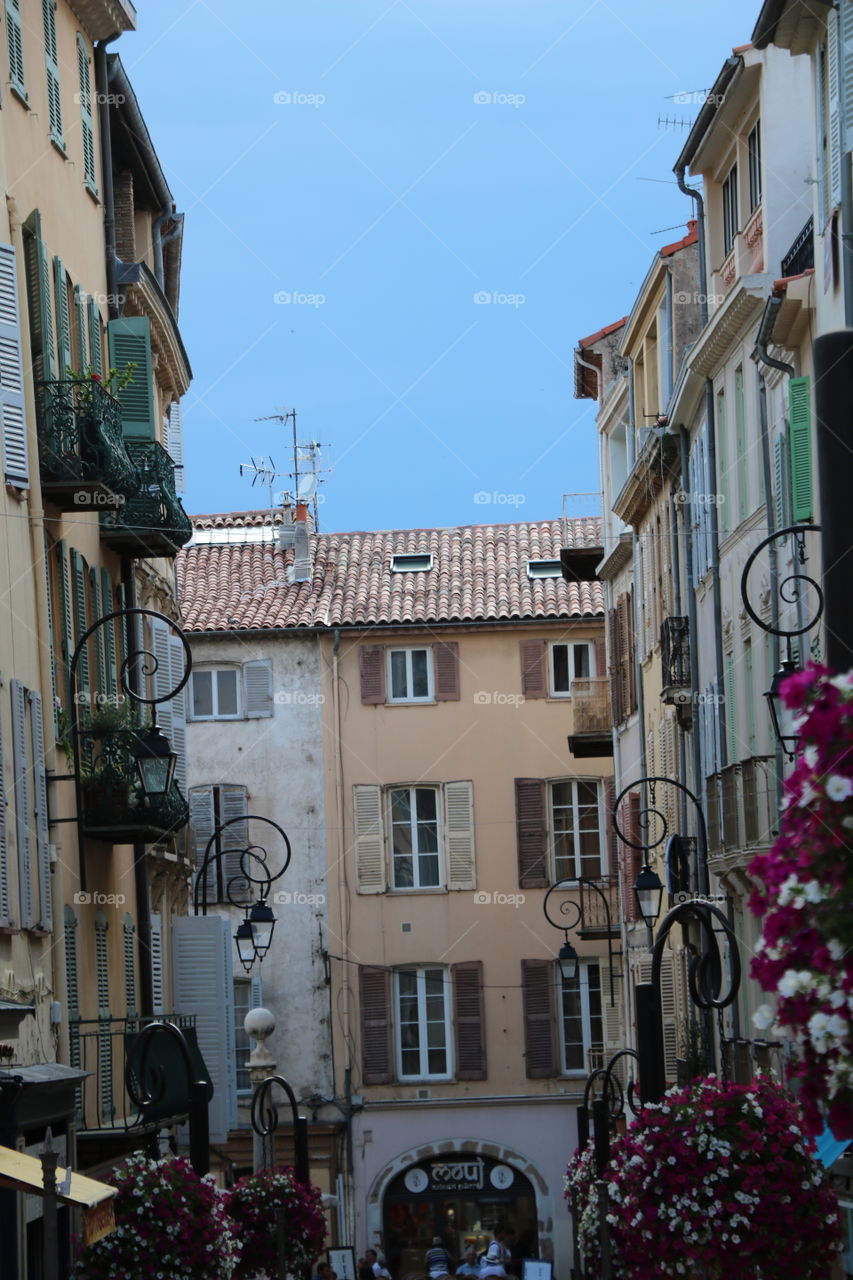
(115, 808)
(800, 256)
(153, 522)
(593, 922)
(741, 810)
(675, 654)
(82, 454)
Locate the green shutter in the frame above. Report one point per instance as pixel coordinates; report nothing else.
(51, 61)
(78, 566)
(80, 326)
(64, 577)
(723, 459)
(111, 638)
(800, 448)
(731, 720)
(740, 444)
(16, 47)
(38, 299)
(129, 342)
(63, 319)
(100, 635)
(782, 499)
(96, 357)
(86, 124)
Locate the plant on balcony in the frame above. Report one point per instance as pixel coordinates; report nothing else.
(252, 1203)
(169, 1222)
(805, 955)
(115, 380)
(716, 1181)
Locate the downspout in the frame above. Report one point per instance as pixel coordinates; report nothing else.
(631, 442)
(140, 869)
(157, 244)
(343, 918)
(700, 866)
(676, 603)
(102, 87)
(586, 364)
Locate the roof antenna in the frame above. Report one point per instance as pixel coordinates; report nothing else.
(305, 475)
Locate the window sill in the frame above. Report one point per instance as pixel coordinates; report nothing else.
(21, 95)
(92, 192)
(412, 702)
(400, 893)
(59, 145)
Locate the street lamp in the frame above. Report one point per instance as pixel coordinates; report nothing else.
(649, 893)
(155, 761)
(781, 716)
(568, 961)
(567, 958)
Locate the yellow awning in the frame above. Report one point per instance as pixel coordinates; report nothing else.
(23, 1173)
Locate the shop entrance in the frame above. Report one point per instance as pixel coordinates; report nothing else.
(462, 1199)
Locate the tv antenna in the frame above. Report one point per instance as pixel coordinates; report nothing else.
(263, 472)
(305, 475)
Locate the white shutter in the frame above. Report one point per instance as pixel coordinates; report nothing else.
(834, 131)
(4, 848)
(128, 933)
(369, 844)
(158, 997)
(257, 682)
(668, 1021)
(459, 834)
(178, 707)
(203, 985)
(162, 678)
(40, 813)
(202, 827)
(16, 468)
(174, 432)
(21, 767)
(234, 803)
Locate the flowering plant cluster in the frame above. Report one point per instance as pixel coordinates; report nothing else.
(805, 954)
(170, 1225)
(251, 1204)
(715, 1180)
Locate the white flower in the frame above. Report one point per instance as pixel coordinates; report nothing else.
(793, 983)
(838, 787)
(763, 1017)
(810, 755)
(808, 795)
(835, 948)
(813, 892)
(844, 682)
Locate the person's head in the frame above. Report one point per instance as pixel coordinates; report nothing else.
(323, 1270)
(370, 1256)
(470, 1254)
(437, 1242)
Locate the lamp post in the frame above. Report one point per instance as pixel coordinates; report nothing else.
(265, 1123)
(146, 1085)
(568, 957)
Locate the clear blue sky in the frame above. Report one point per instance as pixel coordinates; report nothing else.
(383, 197)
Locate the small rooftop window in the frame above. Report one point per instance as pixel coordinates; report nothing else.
(544, 569)
(418, 563)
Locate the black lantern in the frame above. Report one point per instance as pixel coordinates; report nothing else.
(780, 715)
(568, 961)
(245, 939)
(649, 892)
(262, 923)
(155, 761)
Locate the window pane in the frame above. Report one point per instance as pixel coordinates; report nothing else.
(202, 693)
(596, 1022)
(428, 871)
(408, 983)
(420, 679)
(437, 1062)
(573, 1026)
(581, 661)
(401, 806)
(399, 687)
(560, 667)
(410, 1062)
(226, 692)
(425, 802)
(404, 876)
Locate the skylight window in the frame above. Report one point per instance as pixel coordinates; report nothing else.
(418, 563)
(544, 569)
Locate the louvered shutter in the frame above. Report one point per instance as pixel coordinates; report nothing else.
(377, 1049)
(16, 47)
(782, 493)
(110, 633)
(459, 834)
(129, 342)
(96, 355)
(175, 442)
(668, 1021)
(128, 931)
(540, 1039)
(16, 467)
(101, 675)
(600, 651)
(81, 619)
(72, 985)
(614, 671)
(21, 766)
(834, 95)
(732, 743)
(86, 122)
(534, 672)
(158, 996)
(469, 1020)
(203, 985)
(38, 295)
(614, 1036)
(41, 812)
(800, 448)
(202, 827)
(628, 631)
(80, 327)
(178, 735)
(63, 575)
(5, 919)
(369, 839)
(445, 657)
(257, 688)
(162, 677)
(105, 1041)
(234, 803)
(51, 633)
(531, 833)
(51, 58)
(611, 840)
(63, 319)
(371, 669)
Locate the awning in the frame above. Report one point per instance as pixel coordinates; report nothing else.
(24, 1173)
(830, 1148)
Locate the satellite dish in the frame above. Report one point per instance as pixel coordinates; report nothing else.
(307, 488)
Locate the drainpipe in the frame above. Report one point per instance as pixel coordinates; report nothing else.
(102, 88)
(140, 868)
(631, 442)
(700, 230)
(700, 866)
(676, 602)
(348, 1209)
(157, 245)
(667, 345)
(586, 364)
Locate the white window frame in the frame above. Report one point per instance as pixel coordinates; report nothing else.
(589, 1045)
(570, 645)
(412, 562)
(755, 180)
(243, 1044)
(408, 650)
(603, 869)
(423, 1050)
(416, 886)
(213, 670)
(730, 208)
(547, 568)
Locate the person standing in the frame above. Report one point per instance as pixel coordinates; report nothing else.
(469, 1265)
(438, 1262)
(379, 1270)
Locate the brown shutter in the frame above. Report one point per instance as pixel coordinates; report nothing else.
(532, 833)
(600, 657)
(629, 643)
(540, 1041)
(632, 859)
(611, 840)
(534, 673)
(470, 1021)
(371, 667)
(445, 656)
(614, 621)
(377, 1050)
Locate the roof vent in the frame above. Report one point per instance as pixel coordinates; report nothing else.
(544, 569)
(419, 562)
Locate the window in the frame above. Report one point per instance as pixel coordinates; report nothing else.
(247, 995)
(212, 808)
(409, 675)
(414, 838)
(575, 820)
(51, 57)
(423, 1024)
(412, 563)
(730, 211)
(570, 662)
(581, 1021)
(544, 569)
(86, 123)
(753, 150)
(215, 694)
(16, 48)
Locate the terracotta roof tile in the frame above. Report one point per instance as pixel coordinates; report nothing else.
(479, 573)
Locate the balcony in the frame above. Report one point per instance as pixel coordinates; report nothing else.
(114, 806)
(593, 922)
(741, 811)
(82, 455)
(103, 1047)
(745, 258)
(800, 256)
(675, 661)
(592, 721)
(153, 522)
(745, 1058)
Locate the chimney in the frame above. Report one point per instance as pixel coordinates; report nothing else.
(301, 552)
(286, 532)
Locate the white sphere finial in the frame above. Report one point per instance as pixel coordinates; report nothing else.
(259, 1023)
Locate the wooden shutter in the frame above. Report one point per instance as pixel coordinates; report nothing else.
(72, 985)
(445, 657)
(175, 442)
(611, 1014)
(101, 678)
(377, 1048)
(63, 575)
(158, 994)
(96, 355)
(611, 840)
(38, 296)
(540, 1039)
(81, 618)
(615, 668)
(129, 342)
(731, 709)
(16, 47)
(257, 687)
(16, 468)
(234, 803)
(51, 58)
(459, 834)
(800, 448)
(202, 827)
(534, 671)
(5, 918)
(781, 485)
(469, 1018)
(128, 930)
(369, 841)
(110, 646)
(170, 714)
(63, 319)
(668, 1020)
(86, 121)
(371, 668)
(80, 327)
(600, 651)
(21, 766)
(629, 655)
(203, 984)
(834, 124)
(40, 812)
(532, 833)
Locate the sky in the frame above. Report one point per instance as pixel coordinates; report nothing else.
(400, 217)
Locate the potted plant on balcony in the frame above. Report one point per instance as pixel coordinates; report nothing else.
(252, 1204)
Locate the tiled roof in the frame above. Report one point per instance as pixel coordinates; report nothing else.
(479, 573)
